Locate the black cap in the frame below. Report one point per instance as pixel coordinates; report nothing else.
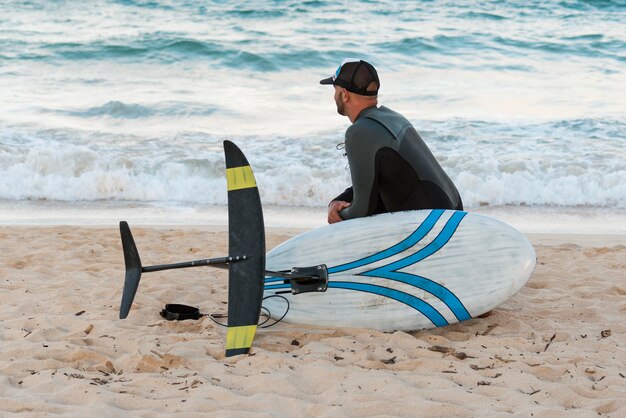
(355, 75)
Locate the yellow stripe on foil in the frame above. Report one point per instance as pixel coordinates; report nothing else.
(240, 337)
(240, 178)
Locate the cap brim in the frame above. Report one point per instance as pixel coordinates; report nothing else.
(328, 80)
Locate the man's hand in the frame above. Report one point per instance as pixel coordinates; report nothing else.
(333, 210)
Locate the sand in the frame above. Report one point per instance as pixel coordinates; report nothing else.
(557, 348)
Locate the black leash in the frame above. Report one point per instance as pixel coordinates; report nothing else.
(178, 312)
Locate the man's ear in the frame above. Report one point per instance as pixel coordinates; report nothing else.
(345, 95)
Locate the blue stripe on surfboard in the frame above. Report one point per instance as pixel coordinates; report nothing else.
(444, 294)
(390, 270)
(442, 239)
(425, 227)
(414, 302)
(277, 286)
(274, 279)
(408, 242)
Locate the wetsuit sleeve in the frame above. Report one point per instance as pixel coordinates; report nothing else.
(362, 144)
(346, 196)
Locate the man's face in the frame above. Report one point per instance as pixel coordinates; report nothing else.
(339, 101)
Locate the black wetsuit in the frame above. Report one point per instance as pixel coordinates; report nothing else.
(392, 169)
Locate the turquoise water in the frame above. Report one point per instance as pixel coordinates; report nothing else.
(128, 101)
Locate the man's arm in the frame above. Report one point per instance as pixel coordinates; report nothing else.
(346, 196)
(362, 144)
(340, 202)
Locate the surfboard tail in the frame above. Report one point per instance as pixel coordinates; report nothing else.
(246, 242)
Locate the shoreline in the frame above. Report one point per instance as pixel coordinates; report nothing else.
(544, 239)
(527, 219)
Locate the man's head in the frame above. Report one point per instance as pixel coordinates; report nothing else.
(356, 87)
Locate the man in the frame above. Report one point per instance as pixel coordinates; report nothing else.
(391, 167)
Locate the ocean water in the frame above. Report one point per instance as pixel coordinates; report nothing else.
(119, 105)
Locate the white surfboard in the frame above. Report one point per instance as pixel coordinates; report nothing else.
(403, 271)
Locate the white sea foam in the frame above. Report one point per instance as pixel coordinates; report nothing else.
(189, 169)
